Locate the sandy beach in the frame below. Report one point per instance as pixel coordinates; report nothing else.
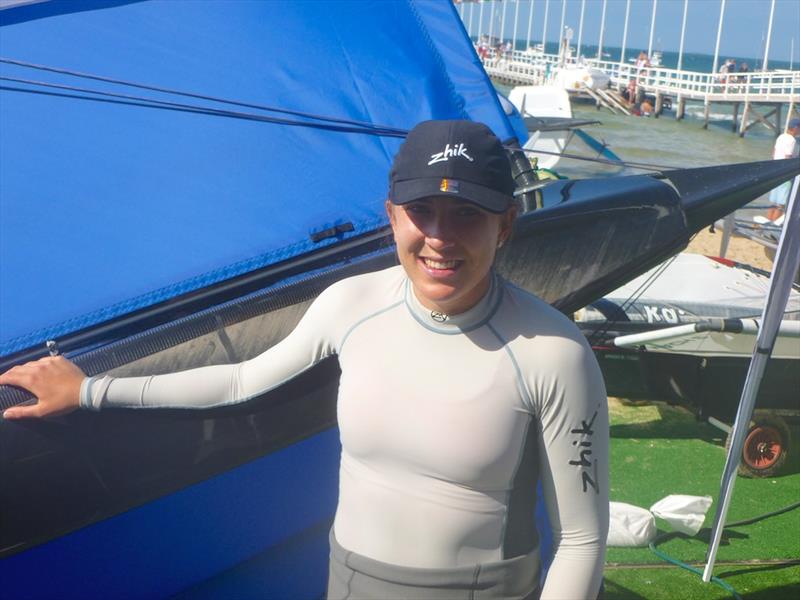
(740, 249)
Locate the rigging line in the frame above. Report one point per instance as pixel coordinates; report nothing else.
(164, 90)
(603, 327)
(112, 98)
(616, 163)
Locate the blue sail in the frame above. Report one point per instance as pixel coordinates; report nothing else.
(118, 194)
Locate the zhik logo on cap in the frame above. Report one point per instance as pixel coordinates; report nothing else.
(448, 153)
(460, 159)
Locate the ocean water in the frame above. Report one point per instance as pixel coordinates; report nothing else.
(665, 142)
(692, 61)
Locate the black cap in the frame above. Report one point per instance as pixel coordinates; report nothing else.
(462, 159)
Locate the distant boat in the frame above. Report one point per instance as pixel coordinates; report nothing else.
(547, 104)
(547, 114)
(577, 76)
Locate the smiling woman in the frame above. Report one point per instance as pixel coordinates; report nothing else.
(458, 393)
(446, 245)
(447, 249)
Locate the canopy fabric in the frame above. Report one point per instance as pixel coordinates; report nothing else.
(111, 204)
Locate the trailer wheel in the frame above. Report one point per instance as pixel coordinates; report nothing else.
(766, 447)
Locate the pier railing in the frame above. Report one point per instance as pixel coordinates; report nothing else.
(535, 68)
(755, 86)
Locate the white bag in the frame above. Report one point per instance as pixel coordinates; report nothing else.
(685, 513)
(630, 525)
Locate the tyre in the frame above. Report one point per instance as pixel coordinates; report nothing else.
(766, 447)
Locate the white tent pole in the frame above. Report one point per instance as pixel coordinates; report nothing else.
(491, 23)
(625, 32)
(683, 32)
(503, 21)
(471, 14)
(787, 261)
(719, 35)
(652, 29)
(602, 28)
(769, 35)
(530, 22)
(544, 28)
(580, 28)
(516, 18)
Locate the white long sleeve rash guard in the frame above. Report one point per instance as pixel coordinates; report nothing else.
(447, 423)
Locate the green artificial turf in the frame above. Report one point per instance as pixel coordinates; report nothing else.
(657, 450)
(753, 583)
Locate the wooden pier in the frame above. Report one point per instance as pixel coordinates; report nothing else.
(768, 97)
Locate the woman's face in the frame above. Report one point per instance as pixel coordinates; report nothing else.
(447, 248)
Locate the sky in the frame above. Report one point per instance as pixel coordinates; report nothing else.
(744, 27)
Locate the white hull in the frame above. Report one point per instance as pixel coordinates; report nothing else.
(544, 101)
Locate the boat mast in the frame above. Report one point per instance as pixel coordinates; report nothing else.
(530, 22)
(580, 28)
(602, 29)
(652, 29)
(769, 35)
(683, 32)
(471, 14)
(625, 33)
(516, 17)
(719, 35)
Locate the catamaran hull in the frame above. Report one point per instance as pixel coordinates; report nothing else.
(709, 385)
(684, 332)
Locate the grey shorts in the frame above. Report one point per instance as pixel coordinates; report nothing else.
(354, 576)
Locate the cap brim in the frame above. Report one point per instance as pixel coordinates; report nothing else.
(403, 192)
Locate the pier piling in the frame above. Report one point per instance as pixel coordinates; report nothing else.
(745, 116)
